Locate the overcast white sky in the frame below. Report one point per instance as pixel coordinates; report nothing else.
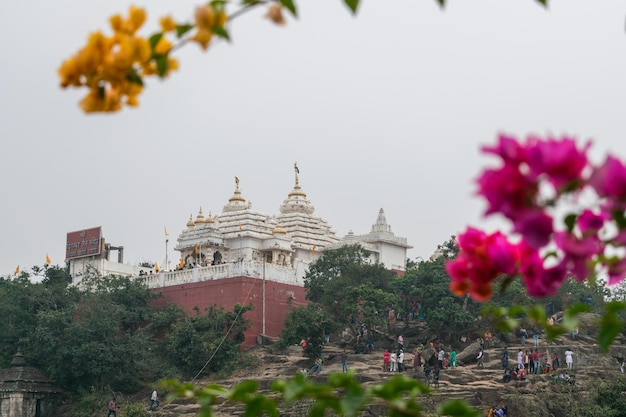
(387, 109)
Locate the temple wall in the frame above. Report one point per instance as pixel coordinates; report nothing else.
(280, 298)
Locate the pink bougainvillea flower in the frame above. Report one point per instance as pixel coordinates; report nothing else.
(538, 281)
(616, 271)
(535, 226)
(585, 247)
(506, 190)
(481, 259)
(578, 252)
(609, 179)
(590, 222)
(560, 160)
(509, 149)
(545, 281)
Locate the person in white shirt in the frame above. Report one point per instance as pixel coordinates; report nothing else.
(154, 399)
(569, 358)
(401, 361)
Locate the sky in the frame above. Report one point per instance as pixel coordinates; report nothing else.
(387, 109)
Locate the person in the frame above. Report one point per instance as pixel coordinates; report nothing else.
(401, 361)
(507, 376)
(392, 362)
(154, 399)
(417, 359)
(621, 368)
(344, 362)
(317, 368)
(112, 408)
(487, 339)
(479, 358)
(505, 358)
(440, 357)
(575, 333)
(551, 321)
(400, 342)
(569, 358)
(370, 344)
(555, 362)
(520, 359)
(521, 374)
(536, 335)
(523, 335)
(303, 344)
(386, 357)
(453, 358)
(536, 361)
(527, 356)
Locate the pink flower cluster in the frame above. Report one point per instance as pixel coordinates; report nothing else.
(533, 178)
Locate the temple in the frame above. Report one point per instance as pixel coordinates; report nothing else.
(244, 256)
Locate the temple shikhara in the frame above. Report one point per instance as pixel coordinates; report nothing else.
(242, 256)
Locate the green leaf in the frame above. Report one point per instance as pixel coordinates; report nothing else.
(570, 221)
(352, 5)
(242, 390)
(162, 64)
(154, 39)
(182, 29)
(134, 77)
(441, 2)
(544, 2)
(291, 6)
(101, 91)
(458, 408)
(619, 218)
(221, 32)
(610, 325)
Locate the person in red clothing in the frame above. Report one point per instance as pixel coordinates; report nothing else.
(112, 408)
(386, 356)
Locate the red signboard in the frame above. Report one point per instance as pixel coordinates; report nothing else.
(83, 243)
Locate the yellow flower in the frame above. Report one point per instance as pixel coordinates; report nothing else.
(205, 17)
(94, 102)
(203, 37)
(136, 18)
(172, 64)
(149, 68)
(163, 46)
(117, 23)
(167, 24)
(275, 14)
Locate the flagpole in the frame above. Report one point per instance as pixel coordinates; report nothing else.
(166, 260)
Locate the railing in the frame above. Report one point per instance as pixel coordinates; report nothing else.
(252, 269)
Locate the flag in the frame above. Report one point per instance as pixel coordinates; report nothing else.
(196, 249)
(295, 166)
(166, 232)
(48, 259)
(156, 267)
(313, 251)
(181, 264)
(17, 270)
(240, 227)
(237, 181)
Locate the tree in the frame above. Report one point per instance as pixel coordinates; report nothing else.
(310, 323)
(98, 340)
(208, 341)
(349, 287)
(428, 284)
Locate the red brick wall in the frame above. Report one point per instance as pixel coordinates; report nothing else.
(229, 291)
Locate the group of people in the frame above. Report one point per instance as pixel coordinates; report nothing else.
(154, 399)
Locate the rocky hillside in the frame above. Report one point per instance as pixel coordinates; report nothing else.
(537, 396)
